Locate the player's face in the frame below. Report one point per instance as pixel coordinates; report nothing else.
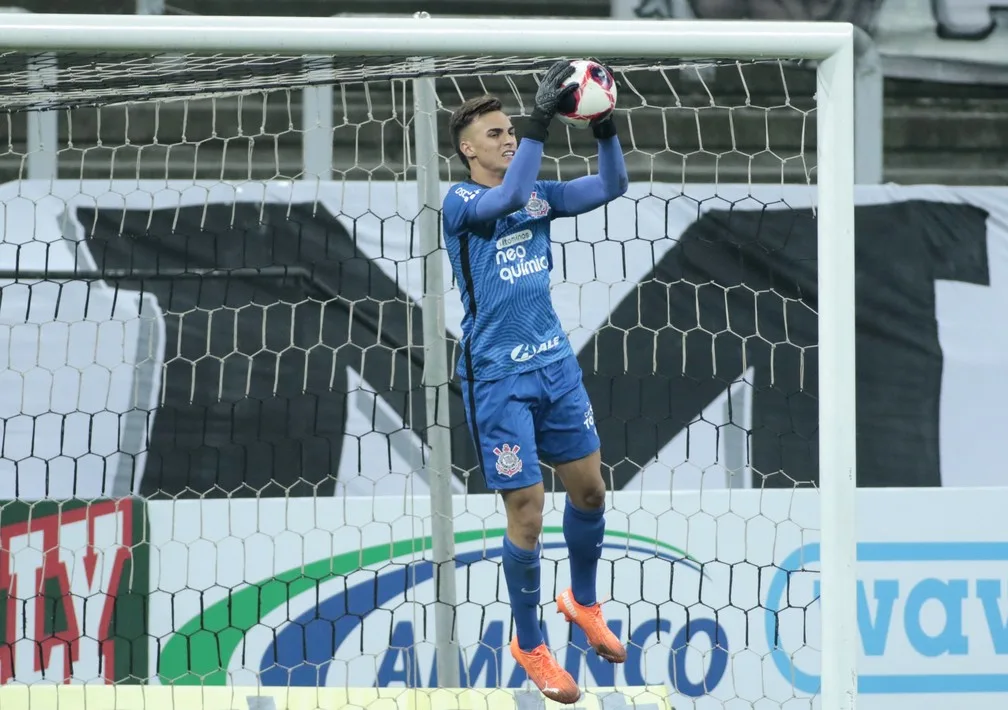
(490, 141)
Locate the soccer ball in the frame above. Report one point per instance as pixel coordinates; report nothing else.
(594, 98)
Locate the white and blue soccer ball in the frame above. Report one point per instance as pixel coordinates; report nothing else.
(595, 96)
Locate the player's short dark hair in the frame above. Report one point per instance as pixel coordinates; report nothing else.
(465, 114)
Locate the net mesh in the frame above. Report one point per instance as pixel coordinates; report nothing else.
(214, 427)
(723, 120)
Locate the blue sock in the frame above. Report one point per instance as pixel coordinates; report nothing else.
(583, 530)
(522, 575)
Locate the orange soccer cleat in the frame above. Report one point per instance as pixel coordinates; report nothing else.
(589, 618)
(543, 670)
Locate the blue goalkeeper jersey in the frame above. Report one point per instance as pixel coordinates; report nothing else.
(502, 268)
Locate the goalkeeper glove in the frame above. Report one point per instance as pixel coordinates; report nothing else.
(605, 127)
(548, 98)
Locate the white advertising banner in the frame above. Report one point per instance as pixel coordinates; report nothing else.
(715, 594)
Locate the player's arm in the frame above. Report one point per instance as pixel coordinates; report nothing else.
(584, 194)
(490, 204)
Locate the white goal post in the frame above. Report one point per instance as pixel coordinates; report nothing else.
(831, 45)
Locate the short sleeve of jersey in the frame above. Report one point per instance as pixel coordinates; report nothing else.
(456, 212)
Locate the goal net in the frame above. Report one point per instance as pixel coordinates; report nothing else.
(227, 327)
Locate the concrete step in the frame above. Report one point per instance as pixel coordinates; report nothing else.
(918, 129)
(952, 133)
(912, 128)
(437, 8)
(949, 167)
(267, 157)
(283, 161)
(710, 128)
(322, 8)
(381, 101)
(215, 164)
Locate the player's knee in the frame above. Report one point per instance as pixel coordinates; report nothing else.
(585, 487)
(584, 482)
(525, 518)
(527, 522)
(592, 496)
(527, 529)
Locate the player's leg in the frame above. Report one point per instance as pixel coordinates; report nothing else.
(567, 438)
(583, 522)
(521, 560)
(584, 529)
(500, 421)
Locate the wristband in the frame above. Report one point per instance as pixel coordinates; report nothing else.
(537, 126)
(606, 128)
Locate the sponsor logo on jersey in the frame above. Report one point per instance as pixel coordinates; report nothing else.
(511, 239)
(466, 194)
(537, 207)
(508, 463)
(525, 351)
(514, 264)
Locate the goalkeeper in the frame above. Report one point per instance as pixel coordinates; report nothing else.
(522, 389)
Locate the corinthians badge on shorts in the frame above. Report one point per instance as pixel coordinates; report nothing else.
(508, 463)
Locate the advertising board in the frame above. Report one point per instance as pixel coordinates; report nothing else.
(73, 591)
(715, 593)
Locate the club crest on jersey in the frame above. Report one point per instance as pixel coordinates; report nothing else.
(508, 463)
(537, 207)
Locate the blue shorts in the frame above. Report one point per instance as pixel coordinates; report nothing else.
(517, 421)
